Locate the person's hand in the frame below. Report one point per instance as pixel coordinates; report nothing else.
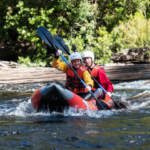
(89, 88)
(58, 53)
(109, 93)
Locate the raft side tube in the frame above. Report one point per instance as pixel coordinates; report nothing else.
(35, 99)
(79, 103)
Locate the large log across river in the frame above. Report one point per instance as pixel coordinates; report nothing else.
(114, 72)
(30, 75)
(128, 72)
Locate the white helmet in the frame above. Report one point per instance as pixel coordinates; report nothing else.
(88, 54)
(75, 55)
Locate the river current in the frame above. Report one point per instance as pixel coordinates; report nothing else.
(23, 128)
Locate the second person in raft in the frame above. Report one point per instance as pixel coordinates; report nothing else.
(73, 83)
(98, 73)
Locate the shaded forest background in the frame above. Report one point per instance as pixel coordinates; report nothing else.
(103, 26)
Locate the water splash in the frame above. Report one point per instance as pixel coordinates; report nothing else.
(141, 84)
(135, 94)
(25, 109)
(137, 106)
(123, 97)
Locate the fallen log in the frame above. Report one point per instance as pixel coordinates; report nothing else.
(115, 72)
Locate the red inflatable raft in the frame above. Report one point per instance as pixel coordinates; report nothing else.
(55, 97)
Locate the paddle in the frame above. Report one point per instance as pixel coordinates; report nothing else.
(105, 91)
(47, 37)
(59, 43)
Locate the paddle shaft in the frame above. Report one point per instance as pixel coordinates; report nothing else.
(81, 81)
(47, 37)
(62, 45)
(105, 91)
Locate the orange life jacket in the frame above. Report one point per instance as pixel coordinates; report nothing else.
(94, 73)
(73, 82)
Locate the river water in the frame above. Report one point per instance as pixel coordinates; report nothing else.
(23, 128)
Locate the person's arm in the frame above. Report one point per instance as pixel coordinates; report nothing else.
(88, 81)
(57, 64)
(105, 82)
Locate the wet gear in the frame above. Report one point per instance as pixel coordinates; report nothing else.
(75, 55)
(63, 66)
(99, 74)
(73, 82)
(88, 54)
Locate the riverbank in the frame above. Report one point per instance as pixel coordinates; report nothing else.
(116, 72)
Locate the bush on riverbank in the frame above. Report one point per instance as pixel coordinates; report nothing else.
(89, 25)
(26, 62)
(133, 33)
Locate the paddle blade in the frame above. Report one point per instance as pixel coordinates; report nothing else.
(61, 44)
(45, 35)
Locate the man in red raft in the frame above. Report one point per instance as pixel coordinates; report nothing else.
(72, 82)
(98, 73)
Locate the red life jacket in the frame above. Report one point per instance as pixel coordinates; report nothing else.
(73, 82)
(94, 73)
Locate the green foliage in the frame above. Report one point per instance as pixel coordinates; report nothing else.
(26, 62)
(112, 11)
(148, 54)
(133, 33)
(103, 44)
(91, 25)
(26, 21)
